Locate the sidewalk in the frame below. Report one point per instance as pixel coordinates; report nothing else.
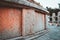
(53, 34)
(36, 35)
(30, 37)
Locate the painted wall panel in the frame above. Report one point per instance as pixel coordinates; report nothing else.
(10, 22)
(39, 25)
(32, 21)
(27, 21)
(47, 21)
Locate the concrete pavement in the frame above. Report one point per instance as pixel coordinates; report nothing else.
(53, 34)
(30, 37)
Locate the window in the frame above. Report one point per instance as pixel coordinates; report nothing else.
(50, 14)
(56, 18)
(50, 19)
(56, 14)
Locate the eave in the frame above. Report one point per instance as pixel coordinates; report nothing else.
(22, 4)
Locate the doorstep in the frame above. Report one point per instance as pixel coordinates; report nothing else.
(33, 36)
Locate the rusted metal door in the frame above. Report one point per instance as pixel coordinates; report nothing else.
(10, 22)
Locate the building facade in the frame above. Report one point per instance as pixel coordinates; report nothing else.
(21, 18)
(54, 18)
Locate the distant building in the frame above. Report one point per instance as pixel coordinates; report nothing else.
(21, 18)
(54, 16)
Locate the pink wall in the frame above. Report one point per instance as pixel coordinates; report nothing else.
(16, 22)
(10, 22)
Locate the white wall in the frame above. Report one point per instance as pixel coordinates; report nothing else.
(58, 16)
(32, 21)
(47, 21)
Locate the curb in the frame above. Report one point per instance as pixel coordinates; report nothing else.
(31, 37)
(37, 35)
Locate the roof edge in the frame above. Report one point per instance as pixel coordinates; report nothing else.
(27, 3)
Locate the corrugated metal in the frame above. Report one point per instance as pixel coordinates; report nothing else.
(10, 22)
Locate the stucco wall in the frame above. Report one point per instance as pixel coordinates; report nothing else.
(10, 20)
(39, 25)
(58, 17)
(32, 21)
(47, 21)
(28, 21)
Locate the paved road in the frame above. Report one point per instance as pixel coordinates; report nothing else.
(53, 34)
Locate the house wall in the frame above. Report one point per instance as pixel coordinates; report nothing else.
(28, 21)
(10, 22)
(47, 21)
(39, 21)
(53, 17)
(58, 17)
(32, 21)
(13, 24)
